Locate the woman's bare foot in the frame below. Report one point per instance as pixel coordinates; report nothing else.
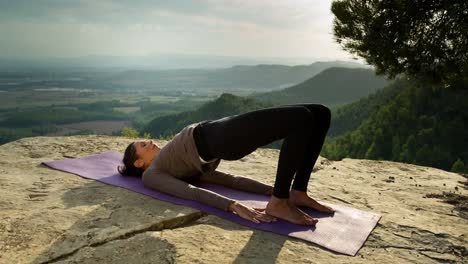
(304, 213)
(281, 208)
(299, 198)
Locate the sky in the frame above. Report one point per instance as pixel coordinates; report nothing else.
(247, 28)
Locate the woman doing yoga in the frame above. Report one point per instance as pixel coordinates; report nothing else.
(196, 151)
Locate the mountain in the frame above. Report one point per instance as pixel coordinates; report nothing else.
(332, 86)
(225, 105)
(273, 77)
(244, 78)
(159, 61)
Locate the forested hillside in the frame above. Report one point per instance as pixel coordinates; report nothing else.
(421, 124)
(350, 116)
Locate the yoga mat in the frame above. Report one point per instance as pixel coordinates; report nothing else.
(344, 232)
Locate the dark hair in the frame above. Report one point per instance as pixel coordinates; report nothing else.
(128, 169)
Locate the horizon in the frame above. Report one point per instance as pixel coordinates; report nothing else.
(168, 62)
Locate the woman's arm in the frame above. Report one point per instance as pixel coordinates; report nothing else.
(237, 182)
(166, 183)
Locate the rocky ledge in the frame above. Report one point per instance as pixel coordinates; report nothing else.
(48, 216)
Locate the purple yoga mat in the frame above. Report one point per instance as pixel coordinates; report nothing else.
(344, 232)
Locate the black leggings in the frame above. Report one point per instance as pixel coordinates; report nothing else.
(302, 126)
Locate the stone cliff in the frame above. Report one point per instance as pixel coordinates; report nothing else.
(48, 216)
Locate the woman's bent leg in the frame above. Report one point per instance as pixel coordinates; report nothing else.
(234, 137)
(314, 146)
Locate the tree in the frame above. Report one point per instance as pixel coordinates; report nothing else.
(130, 132)
(424, 38)
(458, 166)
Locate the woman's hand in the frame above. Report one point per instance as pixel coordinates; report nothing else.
(252, 214)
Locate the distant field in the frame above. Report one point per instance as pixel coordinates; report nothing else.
(101, 127)
(129, 109)
(37, 98)
(28, 99)
(157, 99)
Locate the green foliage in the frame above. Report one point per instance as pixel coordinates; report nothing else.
(350, 116)
(147, 135)
(416, 125)
(459, 166)
(133, 133)
(168, 137)
(423, 39)
(129, 132)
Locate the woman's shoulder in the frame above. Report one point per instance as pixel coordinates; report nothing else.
(152, 171)
(183, 136)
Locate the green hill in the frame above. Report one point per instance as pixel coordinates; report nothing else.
(272, 76)
(412, 123)
(333, 86)
(225, 105)
(350, 116)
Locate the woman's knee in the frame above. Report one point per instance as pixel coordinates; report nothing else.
(306, 117)
(321, 113)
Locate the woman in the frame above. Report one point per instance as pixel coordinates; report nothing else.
(195, 153)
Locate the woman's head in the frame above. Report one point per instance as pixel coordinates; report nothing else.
(137, 157)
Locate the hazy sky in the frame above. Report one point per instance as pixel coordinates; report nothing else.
(253, 28)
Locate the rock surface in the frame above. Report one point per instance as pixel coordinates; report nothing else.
(48, 216)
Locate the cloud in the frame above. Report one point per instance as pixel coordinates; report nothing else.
(278, 13)
(125, 27)
(91, 11)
